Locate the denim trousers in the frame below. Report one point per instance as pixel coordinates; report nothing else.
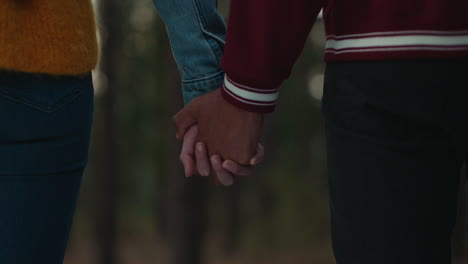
(397, 137)
(45, 127)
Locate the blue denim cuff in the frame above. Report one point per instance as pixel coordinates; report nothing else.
(196, 87)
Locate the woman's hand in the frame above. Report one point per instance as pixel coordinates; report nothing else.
(194, 157)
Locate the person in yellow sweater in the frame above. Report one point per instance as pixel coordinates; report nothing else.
(47, 50)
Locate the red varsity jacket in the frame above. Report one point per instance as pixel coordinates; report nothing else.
(265, 38)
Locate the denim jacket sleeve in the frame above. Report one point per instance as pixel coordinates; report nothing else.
(197, 34)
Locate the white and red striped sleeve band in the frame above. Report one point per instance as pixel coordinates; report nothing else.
(249, 98)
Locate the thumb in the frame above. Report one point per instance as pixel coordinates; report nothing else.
(183, 120)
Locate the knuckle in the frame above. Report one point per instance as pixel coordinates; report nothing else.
(235, 170)
(200, 154)
(217, 168)
(182, 157)
(174, 120)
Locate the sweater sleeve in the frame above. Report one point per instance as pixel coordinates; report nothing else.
(264, 40)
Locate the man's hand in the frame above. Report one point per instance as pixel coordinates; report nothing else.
(195, 160)
(228, 132)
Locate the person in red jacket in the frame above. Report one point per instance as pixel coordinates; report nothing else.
(395, 109)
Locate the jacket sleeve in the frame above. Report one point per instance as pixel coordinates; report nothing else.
(197, 34)
(264, 40)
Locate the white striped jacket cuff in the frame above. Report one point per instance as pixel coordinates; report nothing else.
(249, 98)
(394, 41)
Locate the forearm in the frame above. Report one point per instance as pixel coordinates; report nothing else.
(264, 40)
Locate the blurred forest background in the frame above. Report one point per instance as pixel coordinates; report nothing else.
(136, 207)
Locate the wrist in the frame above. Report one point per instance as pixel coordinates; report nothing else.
(194, 88)
(249, 98)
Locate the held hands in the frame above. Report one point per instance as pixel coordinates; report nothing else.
(195, 160)
(227, 134)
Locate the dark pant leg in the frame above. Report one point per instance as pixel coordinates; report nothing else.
(36, 216)
(45, 126)
(393, 166)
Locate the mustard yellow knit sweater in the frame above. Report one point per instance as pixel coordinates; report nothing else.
(47, 36)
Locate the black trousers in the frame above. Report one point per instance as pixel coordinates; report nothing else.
(397, 137)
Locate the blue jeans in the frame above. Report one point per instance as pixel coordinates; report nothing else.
(44, 139)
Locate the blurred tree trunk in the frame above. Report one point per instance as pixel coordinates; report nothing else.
(234, 219)
(182, 202)
(167, 167)
(459, 247)
(107, 171)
